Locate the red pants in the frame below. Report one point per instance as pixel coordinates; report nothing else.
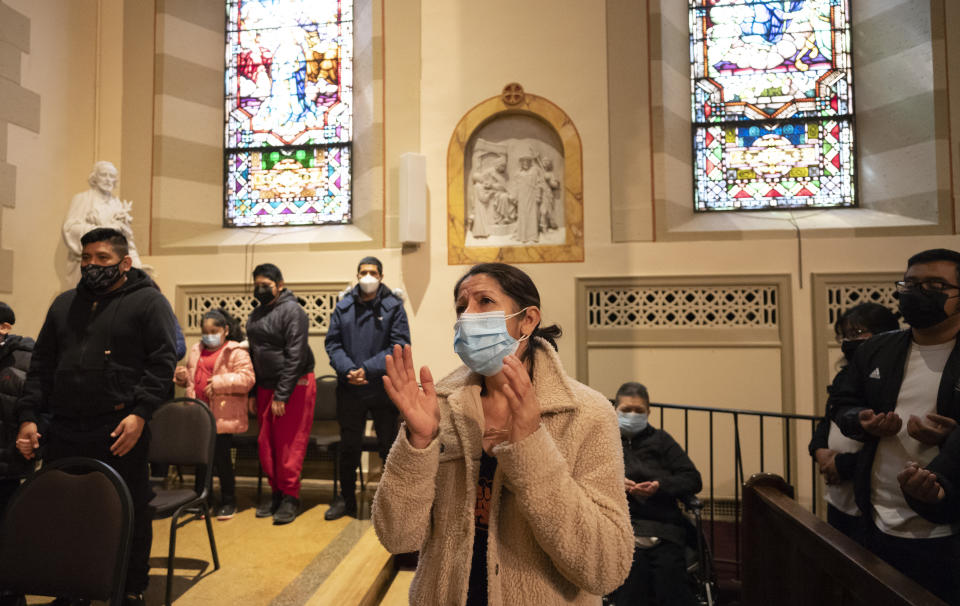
(283, 440)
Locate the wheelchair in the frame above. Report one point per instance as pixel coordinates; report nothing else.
(699, 558)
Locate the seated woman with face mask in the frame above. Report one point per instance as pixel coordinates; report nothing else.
(658, 472)
(507, 475)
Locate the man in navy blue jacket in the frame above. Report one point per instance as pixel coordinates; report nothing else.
(367, 322)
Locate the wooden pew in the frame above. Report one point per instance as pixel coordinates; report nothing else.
(792, 557)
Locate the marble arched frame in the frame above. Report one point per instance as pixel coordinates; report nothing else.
(512, 103)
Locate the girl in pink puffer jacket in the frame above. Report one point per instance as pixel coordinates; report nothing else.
(219, 373)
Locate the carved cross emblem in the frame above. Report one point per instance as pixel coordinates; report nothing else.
(512, 94)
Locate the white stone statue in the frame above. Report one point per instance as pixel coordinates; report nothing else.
(97, 207)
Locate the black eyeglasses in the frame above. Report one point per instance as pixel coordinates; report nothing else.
(927, 285)
(853, 334)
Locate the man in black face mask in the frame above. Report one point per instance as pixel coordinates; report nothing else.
(103, 362)
(901, 398)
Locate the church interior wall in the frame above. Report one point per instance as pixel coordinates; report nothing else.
(20, 107)
(436, 61)
(53, 161)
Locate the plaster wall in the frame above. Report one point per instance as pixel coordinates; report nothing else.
(52, 164)
(464, 53)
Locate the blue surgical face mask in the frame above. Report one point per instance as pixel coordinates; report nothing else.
(632, 423)
(213, 340)
(482, 341)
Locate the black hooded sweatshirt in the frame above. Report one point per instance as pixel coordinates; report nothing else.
(102, 356)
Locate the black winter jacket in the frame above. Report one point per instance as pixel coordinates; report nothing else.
(16, 351)
(14, 362)
(873, 381)
(846, 462)
(651, 455)
(278, 344)
(363, 333)
(102, 356)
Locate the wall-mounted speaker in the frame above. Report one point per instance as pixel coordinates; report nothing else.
(412, 199)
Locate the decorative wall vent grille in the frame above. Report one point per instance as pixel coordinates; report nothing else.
(841, 297)
(682, 306)
(318, 303)
(725, 510)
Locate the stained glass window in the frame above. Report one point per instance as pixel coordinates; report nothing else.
(772, 104)
(289, 109)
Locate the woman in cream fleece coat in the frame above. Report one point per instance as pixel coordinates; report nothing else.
(558, 529)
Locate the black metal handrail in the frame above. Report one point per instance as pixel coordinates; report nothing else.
(737, 455)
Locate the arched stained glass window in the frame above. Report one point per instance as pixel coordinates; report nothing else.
(289, 109)
(772, 104)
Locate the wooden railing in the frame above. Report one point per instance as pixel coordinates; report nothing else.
(791, 557)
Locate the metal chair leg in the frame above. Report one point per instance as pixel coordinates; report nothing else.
(213, 543)
(173, 545)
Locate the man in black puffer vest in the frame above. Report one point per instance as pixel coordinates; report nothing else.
(102, 364)
(15, 354)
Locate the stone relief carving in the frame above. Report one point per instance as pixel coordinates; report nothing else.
(515, 183)
(514, 194)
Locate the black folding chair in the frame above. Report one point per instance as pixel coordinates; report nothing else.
(183, 432)
(247, 443)
(325, 409)
(67, 532)
(369, 444)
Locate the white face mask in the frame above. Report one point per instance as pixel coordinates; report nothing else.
(212, 340)
(369, 284)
